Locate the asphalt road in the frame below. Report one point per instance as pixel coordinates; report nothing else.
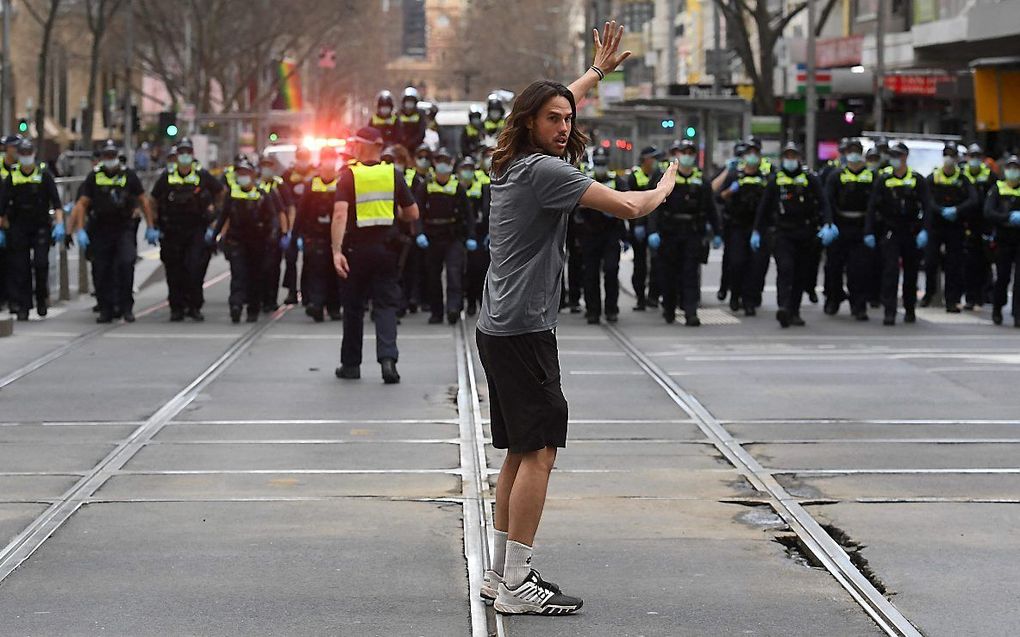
(216, 479)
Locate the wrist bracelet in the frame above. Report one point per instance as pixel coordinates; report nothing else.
(598, 72)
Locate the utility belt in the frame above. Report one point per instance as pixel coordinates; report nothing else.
(677, 223)
(442, 221)
(34, 215)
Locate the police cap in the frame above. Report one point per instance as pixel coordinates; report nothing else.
(950, 150)
(185, 144)
(388, 154)
(384, 98)
(882, 143)
(411, 93)
(854, 144)
(109, 148)
(11, 140)
(975, 149)
(442, 153)
(1013, 160)
(244, 166)
(600, 156)
(684, 145)
(791, 147)
(739, 148)
(899, 148)
(752, 142)
(25, 146)
(649, 151)
(468, 162)
(368, 135)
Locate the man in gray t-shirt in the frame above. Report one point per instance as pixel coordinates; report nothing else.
(527, 232)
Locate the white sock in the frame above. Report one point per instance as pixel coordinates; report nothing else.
(518, 563)
(498, 551)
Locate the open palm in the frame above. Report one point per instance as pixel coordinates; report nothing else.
(606, 45)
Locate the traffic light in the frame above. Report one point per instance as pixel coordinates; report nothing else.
(273, 136)
(168, 124)
(22, 125)
(690, 131)
(668, 123)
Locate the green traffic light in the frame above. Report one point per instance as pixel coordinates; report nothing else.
(690, 131)
(22, 126)
(273, 137)
(171, 130)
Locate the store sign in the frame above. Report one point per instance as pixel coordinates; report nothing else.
(924, 85)
(835, 52)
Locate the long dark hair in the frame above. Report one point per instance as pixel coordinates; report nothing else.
(516, 140)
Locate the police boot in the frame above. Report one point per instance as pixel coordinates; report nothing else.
(812, 295)
(335, 314)
(315, 312)
(22, 315)
(40, 306)
(105, 316)
(925, 300)
(472, 308)
(593, 319)
(953, 308)
(235, 314)
(734, 302)
(797, 321)
(129, 316)
(435, 319)
(890, 318)
(176, 316)
(831, 307)
(291, 298)
(783, 316)
(908, 315)
(196, 315)
(253, 315)
(997, 315)
(692, 320)
(669, 316)
(348, 372)
(389, 371)
(452, 317)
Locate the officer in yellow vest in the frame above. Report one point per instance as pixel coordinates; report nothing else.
(370, 197)
(979, 282)
(295, 180)
(411, 261)
(445, 231)
(7, 164)
(955, 200)
(741, 193)
(411, 122)
(477, 190)
(185, 197)
(471, 136)
(273, 186)
(1002, 209)
(495, 120)
(108, 198)
(898, 221)
(321, 284)
(644, 176)
(385, 118)
(848, 191)
(28, 200)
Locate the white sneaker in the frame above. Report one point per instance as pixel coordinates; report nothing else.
(490, 585)
(535, 596)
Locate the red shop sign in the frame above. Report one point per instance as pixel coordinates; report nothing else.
(915, 84)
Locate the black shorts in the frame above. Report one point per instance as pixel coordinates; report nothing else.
(526, 403)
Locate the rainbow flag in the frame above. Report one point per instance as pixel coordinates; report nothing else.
(288, 97)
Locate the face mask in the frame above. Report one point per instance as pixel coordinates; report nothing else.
(400, 167)
(475, 120)
(26, 160)
(244, 181)
(687, 160)
(854, 158)
(422, 162)
(752, 160)
(409, 106)
(467, 174)
(1012, 174)
(974, 163)
(267, 173)
(949, 162)
(884, 157)
(384, 111)
(896, 163)
(494, 114)
(111, 164)
(184, 159)
(790, 165)
(443, 168)
(486, 163)
(872, 165)
(601, 171)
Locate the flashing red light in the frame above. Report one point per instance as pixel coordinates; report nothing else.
(605, 143)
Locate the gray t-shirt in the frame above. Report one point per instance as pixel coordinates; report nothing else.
(527, 233)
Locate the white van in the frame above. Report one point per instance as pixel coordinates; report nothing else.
(925, 154)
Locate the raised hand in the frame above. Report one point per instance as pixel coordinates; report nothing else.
(606, 45)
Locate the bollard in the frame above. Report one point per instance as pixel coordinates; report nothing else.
(83, 273)
(6, 327)
(65, 284)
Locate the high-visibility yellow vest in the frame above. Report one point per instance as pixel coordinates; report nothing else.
(5, 171)
(640, 177)
(449, 188)
(19, 178)
(942, 179)
(1005, 190)
(908, 180)
(318, 185)
(783, 179)
(409, 174)
(474, 191)
(103, 180)
(752, 180)
(983, 175)
(383, 121)
(373, 194)
(693, 180)
(409, 118)
(268, 186)
(470, 131)
(174, 178)
(236, 192)
(863, 177)
(481, 176)
(492, 127)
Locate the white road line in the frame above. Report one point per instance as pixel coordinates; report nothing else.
(202, 472)
(363, 421)
(851, 472)
(854, 421)
(302, 441)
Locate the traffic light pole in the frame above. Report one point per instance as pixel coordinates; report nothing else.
(129, 123)
(811, 96)
(6, 98)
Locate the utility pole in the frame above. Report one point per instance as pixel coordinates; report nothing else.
(879, 84)
(671, 57)
(811, 97)
(129, 62)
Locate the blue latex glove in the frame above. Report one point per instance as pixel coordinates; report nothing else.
(300, 244)
(949, 213)
(755, 241)
(285, 242)
(152, 236)
(3, 238)
(210, 236)
(1014, 218)
(82, 238)
(828, 234)
(731, 163)
(58, 233)
(654, 240)
(734, 187)
(486, 242)
(716, 242)
(422, 241)
(869, 240)
(471, 245)
(922, 239)
(640, 232)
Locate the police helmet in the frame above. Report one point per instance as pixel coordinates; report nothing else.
(26, 146)
(411, 93)
(753, 142)
(239, 157)
(267, 160)
(899, 148)
(493, 102)
(872, 152)
(791, 147)
(423, 148)
(388, 154)
(475, 112)
(442, 153)
(660, 155)
(600, 156)
(950, 150)
(975, 149)
(185, 144)
(844, 144)
(1013, 160)
(244, 166)
(172, 151)
(882, 143)
(385, 98)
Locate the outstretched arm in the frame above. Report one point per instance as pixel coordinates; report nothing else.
(606, 59)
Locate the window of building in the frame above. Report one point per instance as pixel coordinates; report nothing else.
(636, 14)
(414, 28)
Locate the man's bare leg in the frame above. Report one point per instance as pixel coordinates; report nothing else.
(526, 502)
(501, 517)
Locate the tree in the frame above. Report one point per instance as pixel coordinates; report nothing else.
(99, 14)
(768, 26)
(46, 21)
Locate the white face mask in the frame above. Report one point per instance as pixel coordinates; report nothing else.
(184, 159)
(244, 181)
(854, 158)
(687, 160)
(751, 159)
(494, 114)
(384, 111)
(444, 168)
(1012, 174)
(422, 162)
(974, 162)
(486, 163)
(111, 164)
(410, 106)
(400, 167)
(267, 173)
(467, 174)
(790, 165)
(26, 160)
(949, 161)
(896, 163)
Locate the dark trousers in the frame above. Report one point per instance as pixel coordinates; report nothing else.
(899, 246)
(28, 262)
(1007, 263)
(680, 270)
(575, 271)
(248, 258)
(848, 255)
(322, 288)
(747, 267)
(977, 267)
(411, 277)
(444, 252)
(477, 266)
(950, 237)
(274, 256)
(4, 296)
(114, 250)
(727, 254)
(601, 257)
(290, 256)
(646, 272)
(185, 258)
(796, 266)
(373, 276)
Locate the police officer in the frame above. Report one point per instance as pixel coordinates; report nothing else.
(494, 118)
(795, 204)
(848, 191)
(411, 123)
(644, 176)
(411, 261)
(741, 194)
(955, 199)
(601, 236)
(570, 292)
(423, 162)
(446, 229)
(384, 119)
(899, 215)
(314, 218)
(365, 252)
(477, 190)
(249, 223)
(677, 230)
(725, 177)
(275, 188)
(978, 232)
(7, 164)
(295, 180)
(1002, 208)
(471, 136)
(27, 200)
(184, 197)
(108, 198)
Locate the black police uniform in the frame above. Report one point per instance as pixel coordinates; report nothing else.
(601, 234)
(184, 212)
(681, 224)
(295, 184)
(747, 268)
(446, 221)
(899, 208)
(479, 198)
(410, 129)
(470, 140)
(372, 250)
(280, 194)
(948, 190)
(112, 232)
(644, 274)
(25, 203)
(570, 293)
(1003, 200)
(411, 261)
(314, 219)
(977, 253)
(387, 126)
(5, 171)
(254, 228)
(848, 193)
(795, 204)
